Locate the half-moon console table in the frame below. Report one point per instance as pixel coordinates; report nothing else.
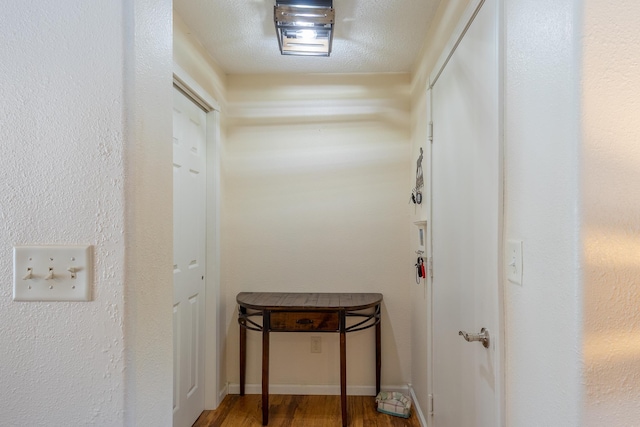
(306, 312)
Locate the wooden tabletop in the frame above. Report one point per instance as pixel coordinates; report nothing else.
(307, 301)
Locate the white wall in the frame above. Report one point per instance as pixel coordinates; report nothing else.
(543, 316)
(148, 196)
(189, 53)
(313, 197)
(315, 200)
(86, 136)
(611, 205)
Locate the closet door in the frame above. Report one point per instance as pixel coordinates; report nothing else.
(189, 231)
(466, 229)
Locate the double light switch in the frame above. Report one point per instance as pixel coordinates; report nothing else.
(52, 273)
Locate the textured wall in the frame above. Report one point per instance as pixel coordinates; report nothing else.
(315, 200)
(149, 213)
(611, 203)
(66, 179)
(63, 182)
(543, 315)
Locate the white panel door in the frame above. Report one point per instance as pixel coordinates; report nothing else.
(189, 229)
(466, 234)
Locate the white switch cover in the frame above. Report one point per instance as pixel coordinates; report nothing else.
(52, 273)
(513, 263)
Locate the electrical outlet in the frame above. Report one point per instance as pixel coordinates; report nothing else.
(316, 345)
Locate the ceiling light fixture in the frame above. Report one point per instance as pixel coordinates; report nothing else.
(304, 27)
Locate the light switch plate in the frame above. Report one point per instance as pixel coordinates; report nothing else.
(52, 273)
(513, 261)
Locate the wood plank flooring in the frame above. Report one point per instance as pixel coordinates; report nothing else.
(300, 411)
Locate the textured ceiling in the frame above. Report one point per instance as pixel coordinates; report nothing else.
(371, 36)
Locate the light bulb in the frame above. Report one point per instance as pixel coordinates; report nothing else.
(306, 34)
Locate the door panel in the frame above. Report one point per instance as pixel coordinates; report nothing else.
(466, 228)
(189, 229)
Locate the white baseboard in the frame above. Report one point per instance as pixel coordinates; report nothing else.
(312, 390)
(223, 393)
(416, 407)
(211, 406)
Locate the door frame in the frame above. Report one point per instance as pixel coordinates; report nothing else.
(213, 393)
(458, 34)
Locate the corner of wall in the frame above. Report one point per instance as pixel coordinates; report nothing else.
(189, 53)
(611, 213)
(149, 214)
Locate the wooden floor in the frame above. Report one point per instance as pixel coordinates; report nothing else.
(300, 411)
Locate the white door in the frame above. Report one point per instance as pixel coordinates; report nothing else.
(466, 231)
(189, 227)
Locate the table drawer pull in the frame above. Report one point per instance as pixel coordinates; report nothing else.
(293, 321)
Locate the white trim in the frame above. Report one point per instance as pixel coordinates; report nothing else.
(416, 407)
(430, 257)
(214, 327)
(223, 393)
(501, 354)
(465, 21)
(213, 391)
(183, 79)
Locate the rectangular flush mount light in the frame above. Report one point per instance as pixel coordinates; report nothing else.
(304, 27)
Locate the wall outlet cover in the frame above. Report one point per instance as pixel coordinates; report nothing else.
(513, 261)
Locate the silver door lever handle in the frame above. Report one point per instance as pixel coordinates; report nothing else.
(483, 337)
